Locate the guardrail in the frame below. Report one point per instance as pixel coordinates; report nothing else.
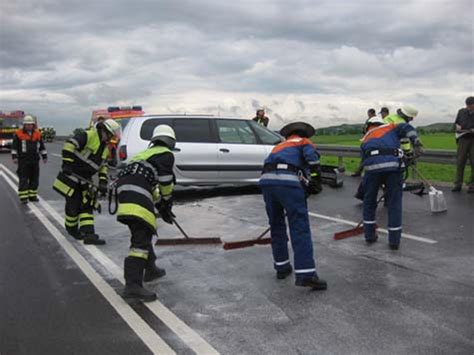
(429, 156)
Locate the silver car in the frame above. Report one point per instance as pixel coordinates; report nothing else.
(209, 150)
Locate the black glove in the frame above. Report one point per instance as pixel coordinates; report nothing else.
(315, 186)
(164, 207)
(67, 169)
(103, 188)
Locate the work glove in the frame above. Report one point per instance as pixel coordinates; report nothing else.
(164, 208)
(315, 186)
(67, 169)
(103, 188)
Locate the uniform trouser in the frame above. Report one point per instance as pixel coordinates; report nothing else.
(465, 151)
(393, 195)
(141, 252)
(28, 175)
(292, 200)
(79, 213)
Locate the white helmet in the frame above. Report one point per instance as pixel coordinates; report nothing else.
(113, 127)
(164, 134)
(29, 119)
(409, 111)
(375, 121)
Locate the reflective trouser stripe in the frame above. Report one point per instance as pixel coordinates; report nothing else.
(132, 209)
(23, 194)
(138, 253)
(282, 262)
(65, 189)
(71, 221)
(32, 193)
(86, 219)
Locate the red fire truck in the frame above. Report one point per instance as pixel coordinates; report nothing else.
(9, 123)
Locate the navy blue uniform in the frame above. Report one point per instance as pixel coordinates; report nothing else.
(283, 192)
(383, 164)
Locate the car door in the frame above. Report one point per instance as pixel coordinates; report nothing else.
(195, 152)
(240, 156)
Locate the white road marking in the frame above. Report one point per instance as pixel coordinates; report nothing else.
(136, 323)
(383, 230)
(187, 335)
(56, 155)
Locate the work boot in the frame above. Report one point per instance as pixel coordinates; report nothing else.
(371, 241)
(93, 239)
(152, 272)
(74, 232)
(456, 188)
(133, 272)
(393, 246)
(33, 199)
(282, 274)
(25, 201)
(314, 282)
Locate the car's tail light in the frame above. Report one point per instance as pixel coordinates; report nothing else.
(123, 152)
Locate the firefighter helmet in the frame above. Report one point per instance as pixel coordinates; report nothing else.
(303, 129)
(165, 134)
(113, 127)
(376, 121)
(29, 119)
(409, 111)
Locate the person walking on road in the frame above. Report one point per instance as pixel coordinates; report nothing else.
(382, 161)
(464, 128)
(260, 118)
(147, 178)
(281, 183)
(27, 148)
(84, 155)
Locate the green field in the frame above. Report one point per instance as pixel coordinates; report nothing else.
(433, 172)
(430, 141)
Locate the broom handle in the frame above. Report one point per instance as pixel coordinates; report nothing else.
(263, 234)
(362, 220)
(179, 227)
(422, 177)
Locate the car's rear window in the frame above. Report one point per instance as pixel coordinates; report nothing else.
(193, 130)
(149, 125)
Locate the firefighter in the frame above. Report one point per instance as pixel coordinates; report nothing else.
(84, 155)
(260, 118)
(145, 183)
(383, 164)
(281, 183)
(27, 147)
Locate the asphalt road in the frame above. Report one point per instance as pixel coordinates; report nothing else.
(418, 300)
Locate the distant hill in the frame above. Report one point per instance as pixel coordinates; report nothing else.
(357, 129)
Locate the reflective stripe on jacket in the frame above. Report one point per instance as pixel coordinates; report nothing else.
(296, 151)
(386, 137)
(137, 194)
(28, 146)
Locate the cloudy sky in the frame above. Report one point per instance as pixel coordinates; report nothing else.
(326, 62)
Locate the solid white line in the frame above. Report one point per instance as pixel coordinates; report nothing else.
(56, 155)
(136, 323)
(383, 230)
(187, 335)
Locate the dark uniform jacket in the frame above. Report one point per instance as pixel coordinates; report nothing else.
(28, 147)
(262, 121)
(465, 119)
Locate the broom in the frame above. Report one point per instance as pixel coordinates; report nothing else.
(359, 229)
(248, 243)
(187, 239)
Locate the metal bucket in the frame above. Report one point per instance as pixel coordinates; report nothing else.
(437, 200)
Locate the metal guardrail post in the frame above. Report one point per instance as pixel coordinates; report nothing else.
(340, 163)
(414, 175)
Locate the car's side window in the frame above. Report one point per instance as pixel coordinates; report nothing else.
(192, 130)
(234, 131)
(266, 136)
(149, 125)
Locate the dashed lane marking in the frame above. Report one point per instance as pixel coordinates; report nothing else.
(350, 223)
(187, 335)
(136, 323)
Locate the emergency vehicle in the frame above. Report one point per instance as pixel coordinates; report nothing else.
(9, 123)
(122, 115)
